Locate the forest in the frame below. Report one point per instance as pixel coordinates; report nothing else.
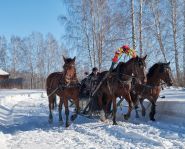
(93, 30)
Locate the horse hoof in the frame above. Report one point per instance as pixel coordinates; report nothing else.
(102, 119)
(115, 123)
(67, 125)
(50, 121)
(60, 123)
(152, 119)
(126, 116)
(73, 117)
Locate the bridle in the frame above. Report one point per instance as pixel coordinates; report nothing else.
(69, 80)
(136, 73)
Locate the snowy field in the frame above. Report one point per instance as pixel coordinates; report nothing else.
(24, 125)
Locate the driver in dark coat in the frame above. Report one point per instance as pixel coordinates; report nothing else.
(93, 77)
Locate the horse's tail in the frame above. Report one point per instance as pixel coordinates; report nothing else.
(52, 83)
(53, 101)
(49, 81)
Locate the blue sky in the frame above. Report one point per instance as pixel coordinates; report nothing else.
(21, 17)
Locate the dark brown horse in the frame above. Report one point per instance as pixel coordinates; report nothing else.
(65, 85)
(151, 90)
(118, 84)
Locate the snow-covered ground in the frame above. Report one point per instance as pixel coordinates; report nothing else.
(24, 124)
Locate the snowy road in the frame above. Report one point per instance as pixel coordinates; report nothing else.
(23, 124)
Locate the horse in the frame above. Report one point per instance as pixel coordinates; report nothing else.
(65, 85)
(118, 84)
(151, 90)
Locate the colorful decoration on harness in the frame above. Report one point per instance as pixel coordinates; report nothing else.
(124, 49)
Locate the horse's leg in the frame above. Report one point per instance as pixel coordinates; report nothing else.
(108, 109)
(51, 107)
(102, 107)
(136, 110)
(66, 111)
(152, 112)
(60, 111)
(128, 99)
(114, 110)
(142, 107)
(134, 98)
(77, 110)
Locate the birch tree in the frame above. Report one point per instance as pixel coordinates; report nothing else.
(184, 41)
(158, 32)
(3, 53)
(133, 25)
(140, 27)
(52, 56)
(174, 27)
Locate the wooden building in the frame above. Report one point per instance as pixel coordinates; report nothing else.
(8, 83)
(4, 75)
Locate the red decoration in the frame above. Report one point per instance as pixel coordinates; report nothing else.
(125, 47)
(115, 60)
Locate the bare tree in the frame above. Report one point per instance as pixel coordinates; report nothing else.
(133, 25)
(174, 27)
(16, 55)
(52, 56)
(3, 51)
(184, 42)
(156, 15)
(140, 28)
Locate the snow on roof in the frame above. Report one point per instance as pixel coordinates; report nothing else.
(2, 72)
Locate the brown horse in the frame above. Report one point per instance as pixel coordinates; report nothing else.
(157, 73)
(65, 85)
(118, 84)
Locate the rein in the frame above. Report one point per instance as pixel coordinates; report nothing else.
(73, 83)
(66, 86)
(129, 79)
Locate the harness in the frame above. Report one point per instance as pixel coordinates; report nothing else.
(65, 85)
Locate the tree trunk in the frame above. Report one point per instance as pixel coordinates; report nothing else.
(133, 25)
(174, 26)
(140, 28)
(158, 31)
(184, 44)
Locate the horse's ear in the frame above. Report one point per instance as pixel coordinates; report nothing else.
(64, 58)
(168, 63)
(144, 57)
(137, 57)
(74, 58)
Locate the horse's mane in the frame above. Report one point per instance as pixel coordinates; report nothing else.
(153, 68)
(122, 64)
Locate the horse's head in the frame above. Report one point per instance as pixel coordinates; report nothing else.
(165, 73)
(138, 68)
(69, 69)
(135, 66)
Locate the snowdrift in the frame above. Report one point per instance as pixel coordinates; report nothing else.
(24, 115)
